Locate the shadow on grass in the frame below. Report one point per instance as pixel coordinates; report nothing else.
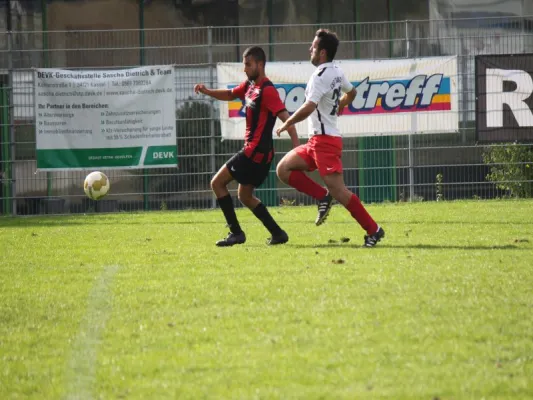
(88, 221)
(412, 247)
(385, 222)
(456, 222)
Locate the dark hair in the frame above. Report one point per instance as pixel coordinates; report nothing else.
(328, 41)
(256, 53)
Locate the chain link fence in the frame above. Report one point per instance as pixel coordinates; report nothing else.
(382, 168)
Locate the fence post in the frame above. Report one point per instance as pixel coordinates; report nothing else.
(212, 138)
(523, 27)
(11, 151)
(238, 41)
(407, 44)
(5, 160)
(410, 136)
(464, 83)
(391, 28)
(357, 28)
(146, 178)
(270, 12)
(411, 169)
(524, 32)
(4, 146)
(46, 61)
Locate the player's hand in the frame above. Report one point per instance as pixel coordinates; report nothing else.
(345, 100)
(200, 88)
(282, 128)
(340, 108)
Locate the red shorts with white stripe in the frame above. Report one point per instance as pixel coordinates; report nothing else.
(322, 152)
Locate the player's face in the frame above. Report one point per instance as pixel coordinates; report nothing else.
(251, 68)
(315, 53)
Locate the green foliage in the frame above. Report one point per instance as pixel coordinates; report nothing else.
(285, 202)
(193, 119)
(511, 168)
(193, 131)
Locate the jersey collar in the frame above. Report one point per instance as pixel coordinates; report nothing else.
(260, 82)
(325, 65)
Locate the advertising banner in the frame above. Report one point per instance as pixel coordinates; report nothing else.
(394, 97)
(105, 118)
(504, 98)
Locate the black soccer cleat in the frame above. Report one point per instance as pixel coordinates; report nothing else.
(372, 240)
(324, 206)
(232, 239)
(278, 239)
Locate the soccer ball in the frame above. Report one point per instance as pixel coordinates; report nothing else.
(96, 185)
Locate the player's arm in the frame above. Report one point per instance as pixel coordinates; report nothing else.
(347, 98)
(219, 94)
(317, 89)
(284, 116)
(302, 113)
(273, 103)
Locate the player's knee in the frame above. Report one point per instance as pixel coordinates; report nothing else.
(244, 198)
(340, 193)
(215, 184)
(336, 190)
(332, 191)
(279, 168)
(282, 172)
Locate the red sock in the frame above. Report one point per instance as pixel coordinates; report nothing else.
(360, 214)
(301, 182)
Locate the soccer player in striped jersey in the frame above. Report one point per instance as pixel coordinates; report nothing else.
(327, 93)
(251, 165)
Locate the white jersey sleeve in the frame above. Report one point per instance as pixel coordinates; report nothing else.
(346, 85)
(325, 88)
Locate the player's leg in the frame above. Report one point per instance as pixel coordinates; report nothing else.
(328, 152)
(337, 188)
(246, 197)
(219, 185)
(290, 170)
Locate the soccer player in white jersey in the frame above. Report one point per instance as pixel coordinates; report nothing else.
(327, 93)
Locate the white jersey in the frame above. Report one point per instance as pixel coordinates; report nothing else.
(325, 88)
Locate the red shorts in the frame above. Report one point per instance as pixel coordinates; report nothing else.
(322, 152)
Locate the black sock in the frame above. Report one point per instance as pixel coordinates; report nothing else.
(262, 213)
(226, 204)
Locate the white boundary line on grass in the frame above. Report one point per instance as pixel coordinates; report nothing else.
(81, 369)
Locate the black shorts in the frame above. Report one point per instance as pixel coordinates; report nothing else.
(247, 172)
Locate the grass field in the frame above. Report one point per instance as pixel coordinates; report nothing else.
(144, 306)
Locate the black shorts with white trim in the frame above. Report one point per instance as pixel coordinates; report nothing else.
(247, 172)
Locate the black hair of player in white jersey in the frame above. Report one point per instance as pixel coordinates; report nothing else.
(328, 41)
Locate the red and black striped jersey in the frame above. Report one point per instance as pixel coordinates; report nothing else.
(262, 104)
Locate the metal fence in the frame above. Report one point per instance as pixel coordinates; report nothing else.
(384, 168)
